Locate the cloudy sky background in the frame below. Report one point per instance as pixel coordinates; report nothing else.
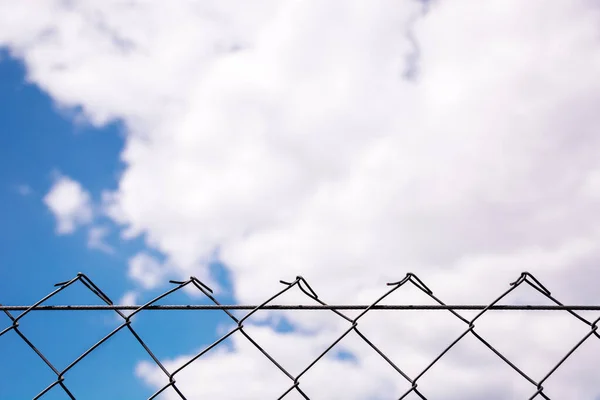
(346, 141)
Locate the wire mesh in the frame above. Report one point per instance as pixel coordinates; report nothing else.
(295, 380)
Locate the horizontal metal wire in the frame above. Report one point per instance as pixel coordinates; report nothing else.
(433, 307)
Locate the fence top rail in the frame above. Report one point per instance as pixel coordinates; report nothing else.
(427, 307)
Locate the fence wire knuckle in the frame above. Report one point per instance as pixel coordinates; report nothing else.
(352, 327)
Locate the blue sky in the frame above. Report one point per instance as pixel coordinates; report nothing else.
(245, 143)
(37, 139)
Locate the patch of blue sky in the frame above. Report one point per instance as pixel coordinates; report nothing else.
(277, 321)
(345, 355)
(36, 139)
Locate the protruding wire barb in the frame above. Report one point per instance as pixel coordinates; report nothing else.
(414, 279)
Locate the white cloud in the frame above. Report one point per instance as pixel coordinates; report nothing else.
(306, 152)
(130, 298)
(70, 204)
(147, 271)
(96, 239)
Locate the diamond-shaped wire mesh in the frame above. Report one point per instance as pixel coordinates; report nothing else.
(352, 327)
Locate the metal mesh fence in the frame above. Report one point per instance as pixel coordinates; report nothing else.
(18, 314)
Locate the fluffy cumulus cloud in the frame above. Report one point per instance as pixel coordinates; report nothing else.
(70, 203)
(130, 298)
(96, 239)
(146, 270)
(349, 142)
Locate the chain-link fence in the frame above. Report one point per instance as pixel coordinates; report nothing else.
(18, 314)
